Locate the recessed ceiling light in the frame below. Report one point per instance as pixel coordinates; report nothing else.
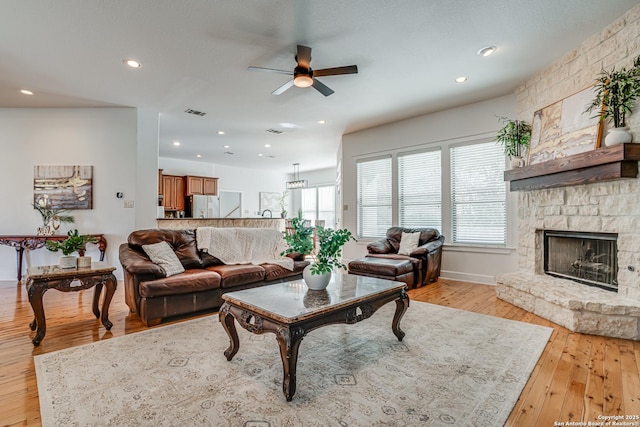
(132, 63)
(267, 145)
(461, 79)
(176, 143)
(26, 92)
(487, 50)
(198, 155)
(321, 122)
(220, 132)
(259, 155)
(226, 146)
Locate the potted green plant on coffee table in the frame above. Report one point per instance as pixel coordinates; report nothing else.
(327, 257)
(514, 136)
(74, 242)
(616, 93)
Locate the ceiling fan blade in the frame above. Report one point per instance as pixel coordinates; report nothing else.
(322, 88)
(303, 56)
(349, 69)
(282, 88)
(271, 70)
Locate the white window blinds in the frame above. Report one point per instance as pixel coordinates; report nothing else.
(374, 197)
(478, 194)
(420, 189)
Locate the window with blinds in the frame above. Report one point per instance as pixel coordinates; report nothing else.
(420, 189)
(478, 194)
(374, 198)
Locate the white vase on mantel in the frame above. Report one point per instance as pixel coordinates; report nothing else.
(618, 136)
(517, 162)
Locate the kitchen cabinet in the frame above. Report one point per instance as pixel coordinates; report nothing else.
(174, 192)
(201, 185)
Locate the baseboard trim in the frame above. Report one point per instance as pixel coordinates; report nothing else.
(468, 277)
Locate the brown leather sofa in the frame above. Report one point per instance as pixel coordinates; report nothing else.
(154, 296)
(384, 261)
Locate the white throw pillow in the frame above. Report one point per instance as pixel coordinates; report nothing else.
(409, 243)
(162, 254)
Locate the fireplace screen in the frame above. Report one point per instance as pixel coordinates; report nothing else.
(589, 258)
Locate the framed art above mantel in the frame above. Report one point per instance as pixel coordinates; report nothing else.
(564, 129)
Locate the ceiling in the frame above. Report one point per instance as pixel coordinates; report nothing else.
(195, 54)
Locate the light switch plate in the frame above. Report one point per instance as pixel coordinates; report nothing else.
(128, 203)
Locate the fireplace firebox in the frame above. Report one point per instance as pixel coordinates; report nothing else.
(588, 258)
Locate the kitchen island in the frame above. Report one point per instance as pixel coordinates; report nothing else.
(192, 223)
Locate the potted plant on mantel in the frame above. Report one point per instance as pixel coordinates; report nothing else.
(327, 258)
(73, 243)
(616, 93)
(515, 136)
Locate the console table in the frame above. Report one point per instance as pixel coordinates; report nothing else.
(20, 243)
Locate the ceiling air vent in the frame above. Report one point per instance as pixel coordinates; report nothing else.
(277, 132)
(194, 112)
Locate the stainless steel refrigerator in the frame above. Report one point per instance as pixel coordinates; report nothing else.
(197, 206)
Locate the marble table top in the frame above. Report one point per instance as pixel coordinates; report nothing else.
(50, 272)
(293, 301)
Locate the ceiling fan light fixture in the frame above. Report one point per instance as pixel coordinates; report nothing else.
(303, 80)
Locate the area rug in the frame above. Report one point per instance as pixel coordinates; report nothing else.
(452, 368)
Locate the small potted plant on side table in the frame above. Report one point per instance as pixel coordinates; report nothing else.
(51, 218)
(616, 93)
(330, 242)
(73, 243)
(515, 136)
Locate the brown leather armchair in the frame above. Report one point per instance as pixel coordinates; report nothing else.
(426, 258)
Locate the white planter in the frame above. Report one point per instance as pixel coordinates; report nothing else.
(84, 262)
(316, 282)
(517, 162)
(68, 261)
(617, 136)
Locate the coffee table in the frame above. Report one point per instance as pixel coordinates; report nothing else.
(43, 278)
(290, 310)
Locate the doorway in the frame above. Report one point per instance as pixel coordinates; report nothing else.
(230, 204)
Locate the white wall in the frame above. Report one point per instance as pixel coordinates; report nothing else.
(105, 138)
(249, 182)
(468, 123)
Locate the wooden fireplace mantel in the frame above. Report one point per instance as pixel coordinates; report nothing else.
(603, 164)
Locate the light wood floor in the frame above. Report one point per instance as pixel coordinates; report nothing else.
(578, 377)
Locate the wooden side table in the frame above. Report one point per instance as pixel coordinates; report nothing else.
(43, 278)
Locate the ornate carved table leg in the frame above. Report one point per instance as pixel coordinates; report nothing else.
(96, 299)
(111, 284)
(402, 304)
(289, 341)
(228, 322)
(36, 290)
(19, 252)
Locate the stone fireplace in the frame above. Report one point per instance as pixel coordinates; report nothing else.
(592, 215)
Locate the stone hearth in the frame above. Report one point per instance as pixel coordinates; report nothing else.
(610, 207)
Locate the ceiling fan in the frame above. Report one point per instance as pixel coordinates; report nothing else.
(305, 76)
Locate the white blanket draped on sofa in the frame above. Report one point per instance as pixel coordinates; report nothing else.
(244, 245)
